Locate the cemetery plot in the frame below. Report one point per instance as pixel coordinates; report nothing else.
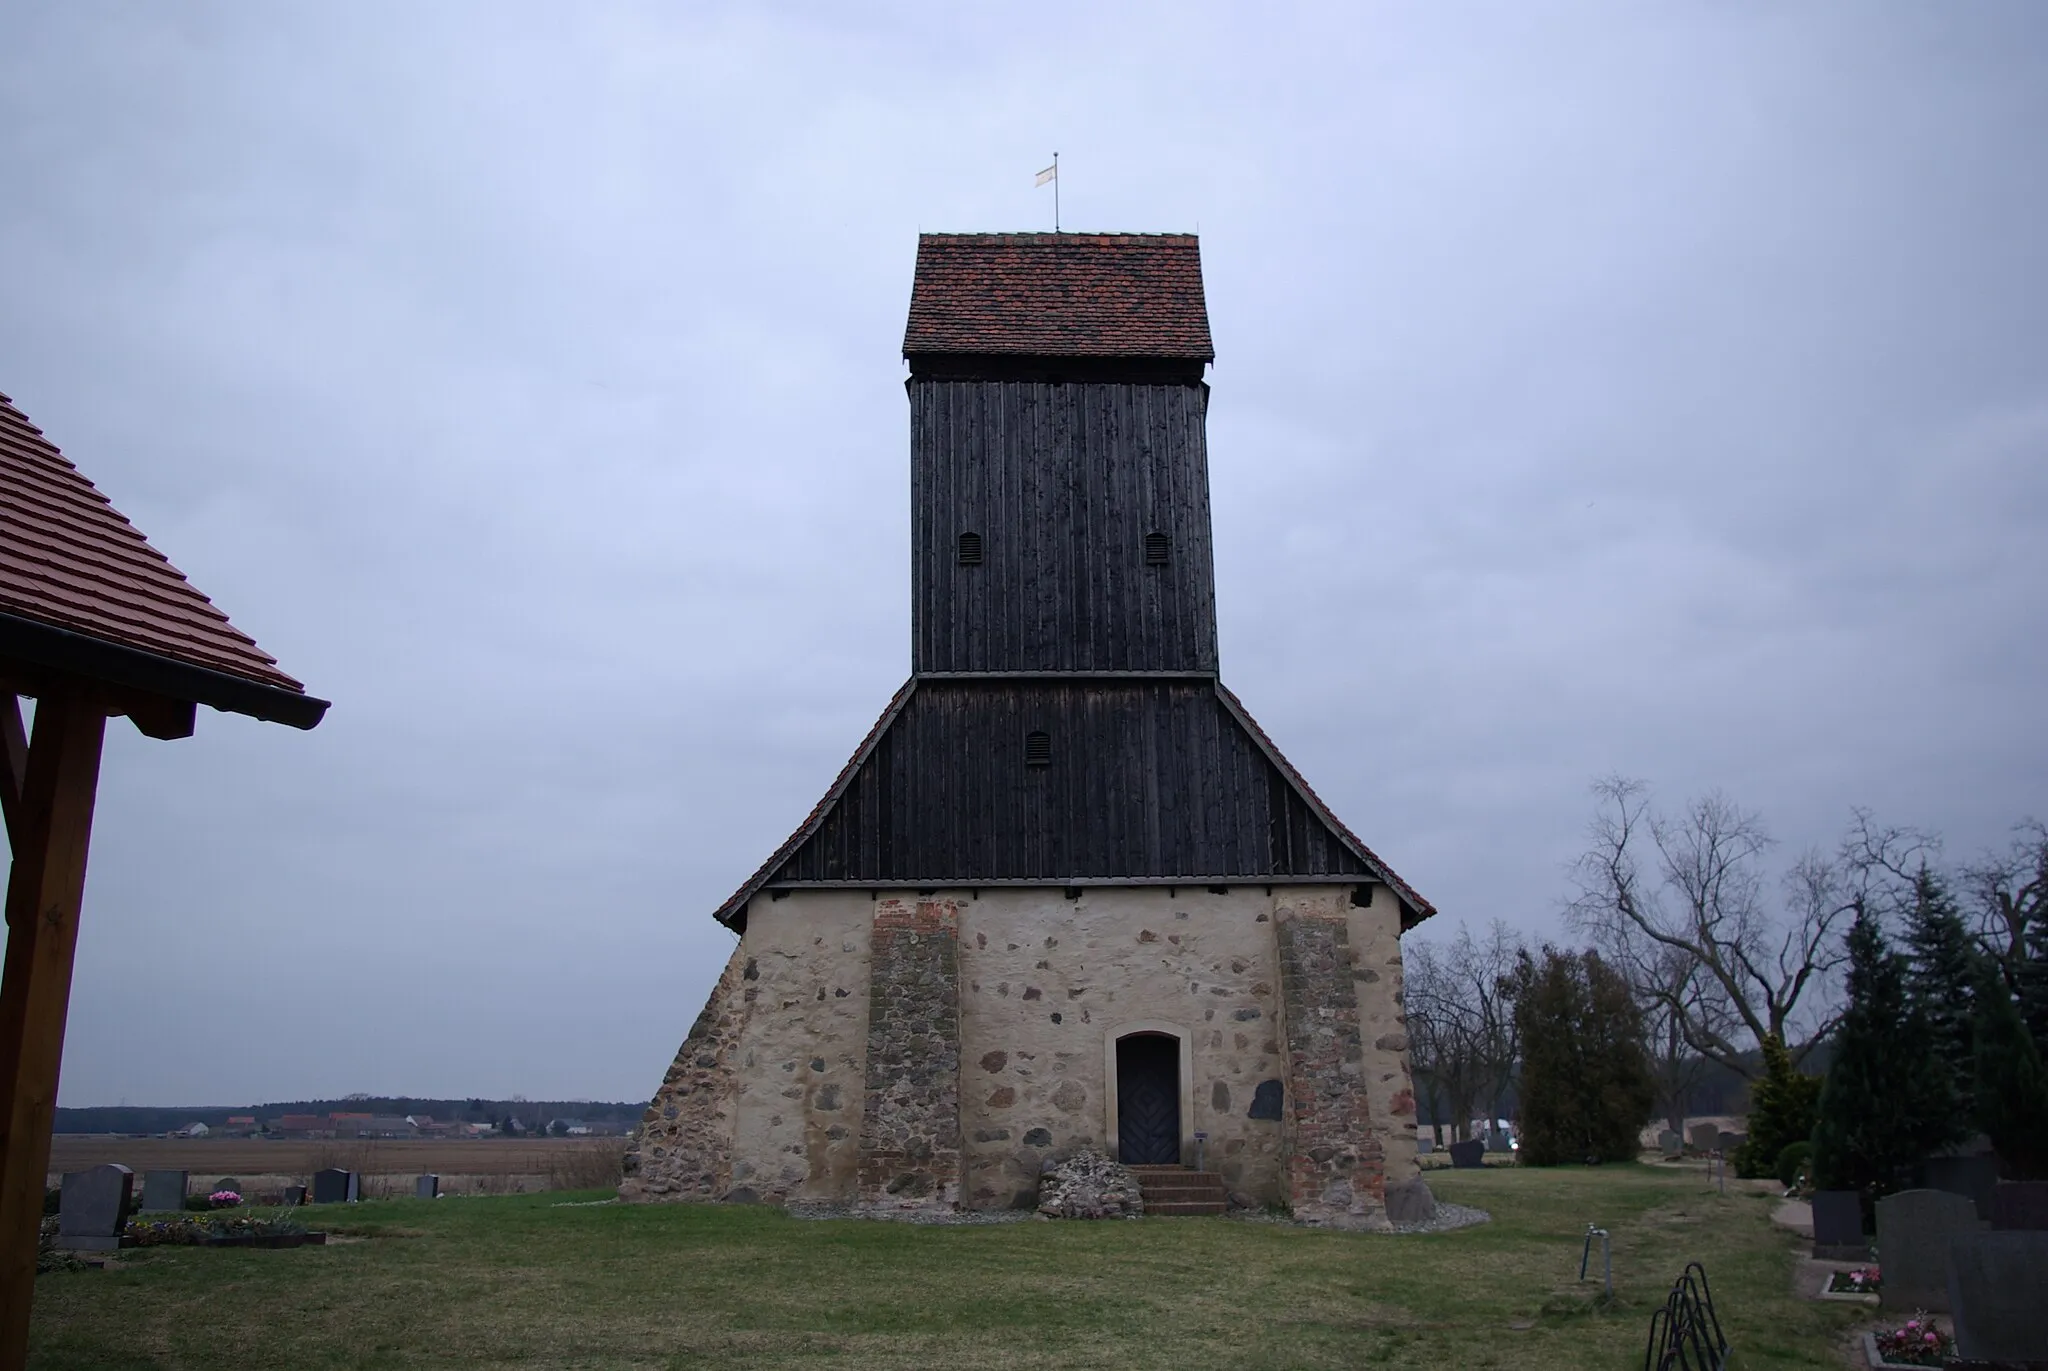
(541, 1281)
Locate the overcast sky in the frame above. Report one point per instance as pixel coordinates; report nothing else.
(1659, 389)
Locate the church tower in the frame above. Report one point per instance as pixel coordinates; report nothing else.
(1066, 893)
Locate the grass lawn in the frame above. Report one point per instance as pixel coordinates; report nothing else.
(525, 1281)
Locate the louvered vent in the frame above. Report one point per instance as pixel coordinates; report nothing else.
(1155, 549)
(1037, 749)
(970, 549)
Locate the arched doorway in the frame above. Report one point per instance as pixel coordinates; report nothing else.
(1148, 1099)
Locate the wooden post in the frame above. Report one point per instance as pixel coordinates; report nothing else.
(43, 894)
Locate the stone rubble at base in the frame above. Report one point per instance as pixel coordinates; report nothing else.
(1089, 1185)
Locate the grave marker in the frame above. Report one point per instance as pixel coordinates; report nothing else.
(1497, 1141)
(1468, 1154)
(1974, 1176)
(1838, 1226)
(164, 1190)
(1913, 1232)
(2019, 1207)
(427, 1187)
(1424, 1145)
(1703, 1137)
(1995, 1282)
(94, 1208)
(334, 1186)
(1671, 1143)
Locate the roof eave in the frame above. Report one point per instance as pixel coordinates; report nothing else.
(83, 654)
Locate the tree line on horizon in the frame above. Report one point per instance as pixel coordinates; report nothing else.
(1866, 993)
(473, 1109)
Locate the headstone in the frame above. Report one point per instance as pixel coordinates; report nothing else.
(333, 1186)
(1913, 1232)
(427, 1187)
(292, 1196)
(1424, 1144)
(1731, 1141)
(2019, 1207)
(1703, 1137)
(1498, 1141)
(1670, 1143)
(1838, 1226)
(1468, 1154)
(163, 1190)
(1995, 1282)
(1972, 1176)
(94, 1208)
(1410, 1202)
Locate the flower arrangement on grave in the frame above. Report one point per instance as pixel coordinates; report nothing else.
(1919, 1341)
(224, 1199)
(1864, 1280)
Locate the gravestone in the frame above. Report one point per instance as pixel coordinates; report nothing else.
(1995, 1285)
(1731, 1141)
(1971, 1176)
(2019, 1207)
(292, 1196)
(94, 1208)
(1838, 1226)
(1497, 1141)
(164, 1190)
(1703, 1137)
(427, 1187)
(1670, 1143)
(333, 1186)
(1913, 1232)
(1468, 1154)
(1424, 1145)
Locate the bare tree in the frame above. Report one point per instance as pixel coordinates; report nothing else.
(1461, 1027)
(1682, 906)
(2009, 892)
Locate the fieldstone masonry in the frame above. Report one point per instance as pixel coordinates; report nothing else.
(910, 1125)
(683, 1147)
(1336, 1167)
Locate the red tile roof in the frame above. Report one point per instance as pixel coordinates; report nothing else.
(1059, 295)
(69, 558)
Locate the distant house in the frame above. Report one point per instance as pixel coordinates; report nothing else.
(569, 1128)
(302, 1126)
(193, 1130)
(239, 1125)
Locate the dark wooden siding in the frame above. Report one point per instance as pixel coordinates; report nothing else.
(1148, 778)
(1063, 482)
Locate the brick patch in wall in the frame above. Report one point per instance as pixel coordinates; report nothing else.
(1335, 1165)
(910, 1123)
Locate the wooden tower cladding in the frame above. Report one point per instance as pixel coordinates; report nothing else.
(1064, 723)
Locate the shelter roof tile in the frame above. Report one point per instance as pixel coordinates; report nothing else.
(70, 559)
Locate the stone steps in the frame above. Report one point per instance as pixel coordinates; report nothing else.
(1176, 1191)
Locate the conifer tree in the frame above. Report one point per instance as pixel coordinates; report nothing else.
(1941, 987)
(1882, 1106)
(1781, 1111)
(1587, 1085)
(2012, 1082)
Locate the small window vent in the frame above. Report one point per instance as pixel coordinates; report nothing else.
(1037, 749)
(1156, 547)
(970, 549)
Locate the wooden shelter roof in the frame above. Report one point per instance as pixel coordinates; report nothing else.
(82, 591)
(1059, 295)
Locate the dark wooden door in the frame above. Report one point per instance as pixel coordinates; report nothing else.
(1148, 1100)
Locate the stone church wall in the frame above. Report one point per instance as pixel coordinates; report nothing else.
(1047, 981)
(767, 1099)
